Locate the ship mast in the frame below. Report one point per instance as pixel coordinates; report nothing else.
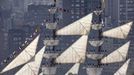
(99, 14)
(97, 24)
(50, 67)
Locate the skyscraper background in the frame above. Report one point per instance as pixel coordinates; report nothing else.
(18, 15)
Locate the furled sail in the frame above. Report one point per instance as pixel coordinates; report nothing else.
(119, 32)
(32, 67)
(97, 26)
(49, 70)
(74, 70)
(94, 71)
(50, 55)
(123, 69)
(51, 25)
(118, 55)
(51, 42)
(95, 56)
(96, 43)
(98, 12)
(75, 53)
(79, 27)
(24, 56)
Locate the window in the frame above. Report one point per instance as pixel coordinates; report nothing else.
(72, 17)
(72, 12)
(82, 1)
(15, 39)
(77, 5)
(77, 1)
(130, 9)
(77, 17)
(72, 5)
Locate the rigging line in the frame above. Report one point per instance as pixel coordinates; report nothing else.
(24, 59)
(121, 54)
(83, 26)
(76, 51)
(28, 53)
(31, 69)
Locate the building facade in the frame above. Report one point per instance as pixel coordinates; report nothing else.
(16, 39)
(37, 12)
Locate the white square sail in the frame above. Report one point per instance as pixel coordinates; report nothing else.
(74, 70)
(32, 67)
(75, 53)
(79, 27)
(24, 56)
(118, 55)
(123, 69)
(120, 32)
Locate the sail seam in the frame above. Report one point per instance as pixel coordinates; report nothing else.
(31, 69)
(123, 32)
(77, 53)
(83, 27)
(121, 54)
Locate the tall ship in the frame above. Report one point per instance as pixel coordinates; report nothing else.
(30, 59)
